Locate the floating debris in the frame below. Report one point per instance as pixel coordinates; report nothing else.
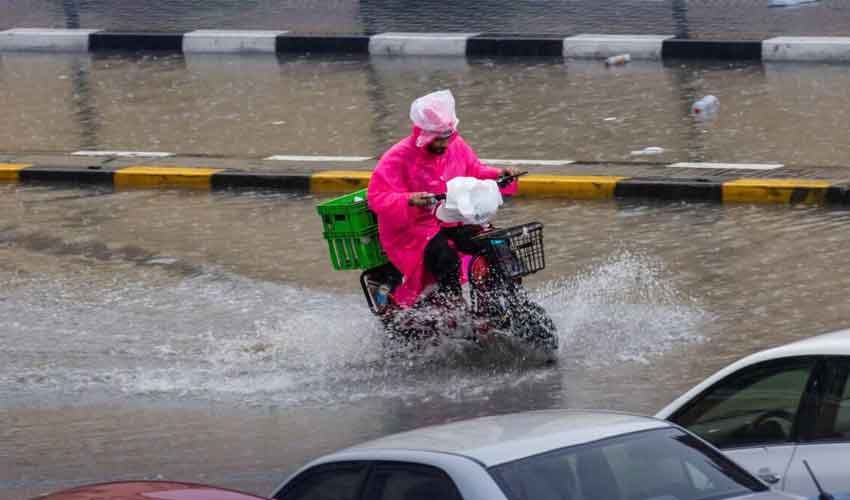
(650, 151)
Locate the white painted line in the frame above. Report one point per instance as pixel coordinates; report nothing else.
(419, 44)
(806, 48)
(230, 41)
(124, 154)
(46, 40)
(602, 46)
(318, 158)
(738, 166)
(553, 163)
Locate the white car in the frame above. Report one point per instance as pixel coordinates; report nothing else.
(776, 408)
(544, 455)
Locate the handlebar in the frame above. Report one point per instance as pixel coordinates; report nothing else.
(503, 181)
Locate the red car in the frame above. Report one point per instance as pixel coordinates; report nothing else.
(148, 490)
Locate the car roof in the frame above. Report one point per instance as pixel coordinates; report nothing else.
(498, 439)
(835, 343)
(829, 344)
(148, 490)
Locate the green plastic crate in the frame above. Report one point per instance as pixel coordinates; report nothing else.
(359, 250)
(344, 215)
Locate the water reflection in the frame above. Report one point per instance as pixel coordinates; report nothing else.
(543, 108)
(72, 13)
(262, 105)
(86, 108)
(680, 18)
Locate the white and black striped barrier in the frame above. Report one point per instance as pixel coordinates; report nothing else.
(582, 46)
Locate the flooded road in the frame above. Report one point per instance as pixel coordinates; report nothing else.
(203, 337)
(531, 109)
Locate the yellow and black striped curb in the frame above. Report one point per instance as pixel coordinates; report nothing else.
(578, 187)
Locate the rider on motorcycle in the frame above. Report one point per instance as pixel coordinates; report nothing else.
(424, 249)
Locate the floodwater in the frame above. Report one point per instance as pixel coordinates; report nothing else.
(196, 336)
(255, 106)
(727, 19)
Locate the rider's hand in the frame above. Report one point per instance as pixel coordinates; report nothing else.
(420, 200)
(510, 171)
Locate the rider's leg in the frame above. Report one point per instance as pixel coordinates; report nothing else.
(442, 261)
(462, 236)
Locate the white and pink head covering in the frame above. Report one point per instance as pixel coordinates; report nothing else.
(435, 115)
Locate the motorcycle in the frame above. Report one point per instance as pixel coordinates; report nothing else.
(497, 304)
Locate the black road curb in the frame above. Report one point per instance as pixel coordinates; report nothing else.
(135, 42)
(513, 45)
(230, 179)
(321, 44)
(662, 188)
(678, 48)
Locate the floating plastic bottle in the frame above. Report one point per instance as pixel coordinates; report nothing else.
(650, 151)
(618, 60)
(788, 3)
(706, 106)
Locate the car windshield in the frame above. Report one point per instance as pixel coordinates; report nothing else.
(664, 464)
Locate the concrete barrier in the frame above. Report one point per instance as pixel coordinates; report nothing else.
(639, 46)
(825, 49)
(419, 44)
(221, 41)
(323, 44)
(135, 42)
(603, 46)
(506, 45)
(45, 40)
(736, 50)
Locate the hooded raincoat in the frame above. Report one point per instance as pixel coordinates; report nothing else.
(406, 230)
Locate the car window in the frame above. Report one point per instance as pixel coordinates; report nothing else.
(402, 481)
(833, 419)
(326, 482)
(757, 405)
(663, 464)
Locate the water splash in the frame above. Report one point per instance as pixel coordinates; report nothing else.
(224, 337)
(327, 350)
(622, 310)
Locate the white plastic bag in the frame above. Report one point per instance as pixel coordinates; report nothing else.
(470, 200)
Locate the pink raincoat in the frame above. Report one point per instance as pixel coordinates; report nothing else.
(405, 230)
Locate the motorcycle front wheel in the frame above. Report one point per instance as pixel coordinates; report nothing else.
(533, 325)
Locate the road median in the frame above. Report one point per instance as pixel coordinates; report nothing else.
(575, 180)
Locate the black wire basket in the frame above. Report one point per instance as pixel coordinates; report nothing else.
(518, 250)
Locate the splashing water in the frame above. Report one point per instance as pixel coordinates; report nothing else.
(215, 336)
(622, 310)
